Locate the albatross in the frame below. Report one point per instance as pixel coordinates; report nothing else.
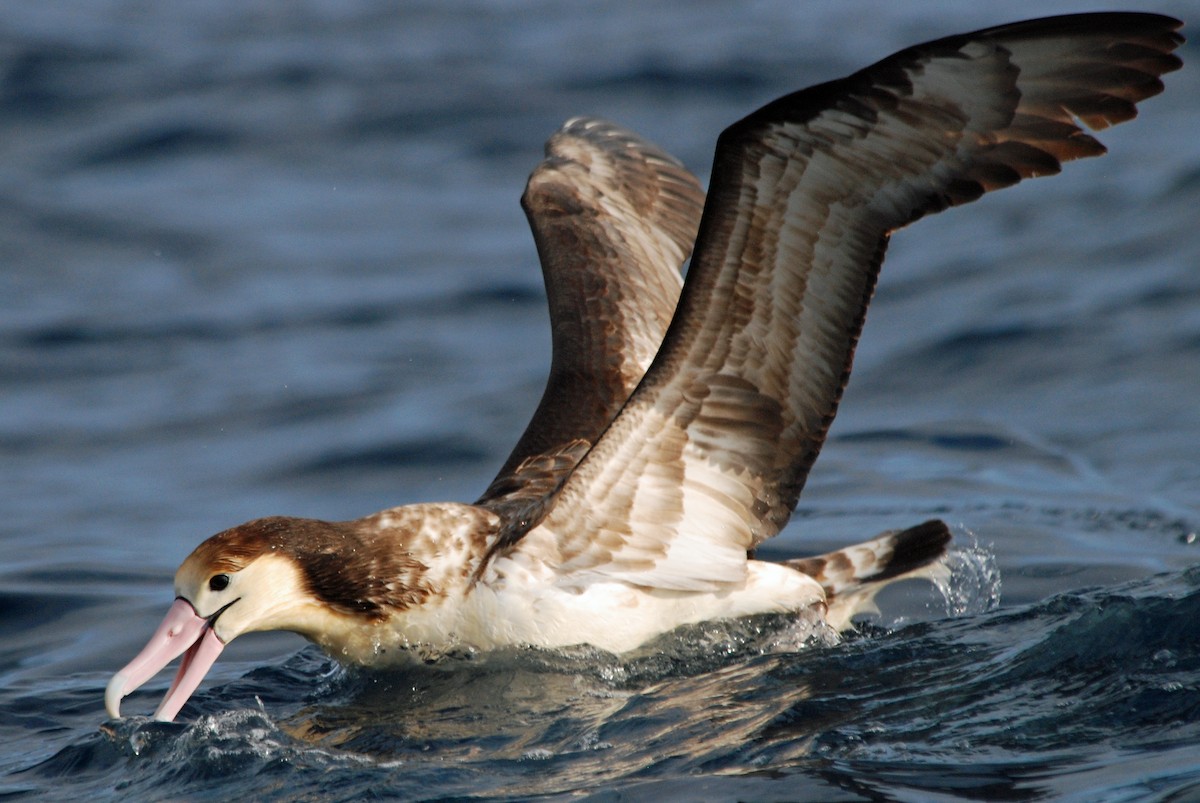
(681, 417)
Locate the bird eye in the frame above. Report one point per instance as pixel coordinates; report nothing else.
(218, 582)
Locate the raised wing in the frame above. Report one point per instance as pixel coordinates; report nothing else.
(710, 454)
(614, 219)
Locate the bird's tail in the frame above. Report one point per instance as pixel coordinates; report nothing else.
(853, 576)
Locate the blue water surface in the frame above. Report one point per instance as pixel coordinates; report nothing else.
(268, 259)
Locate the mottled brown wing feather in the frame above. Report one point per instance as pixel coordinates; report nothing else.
(710, 454)
(614, 218)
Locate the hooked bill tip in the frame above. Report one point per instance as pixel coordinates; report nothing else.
(113, 694)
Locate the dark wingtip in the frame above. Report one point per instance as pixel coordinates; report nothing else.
(915, 547)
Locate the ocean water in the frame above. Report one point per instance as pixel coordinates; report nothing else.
(268, 259)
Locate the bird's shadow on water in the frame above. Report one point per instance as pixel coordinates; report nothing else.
(522, 704)
(589, 713)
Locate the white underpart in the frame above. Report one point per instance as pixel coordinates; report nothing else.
(522, 602)
(530, 607)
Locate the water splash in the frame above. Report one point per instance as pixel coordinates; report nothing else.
(971, 584)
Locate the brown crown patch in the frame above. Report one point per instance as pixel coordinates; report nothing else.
(234, 549)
